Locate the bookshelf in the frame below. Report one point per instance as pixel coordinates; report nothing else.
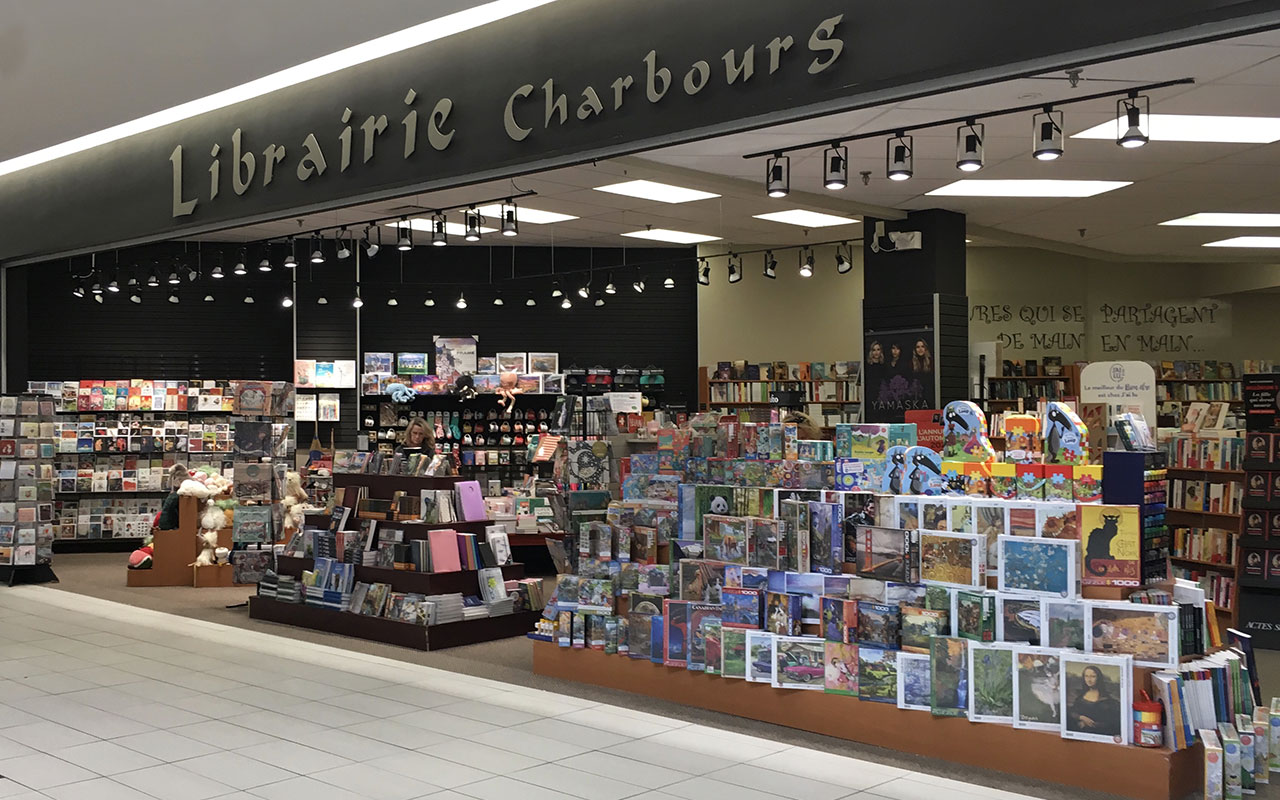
(1005, 392)
(844, 394)
(1191, 390)
(1219, 575)
(1259, 548)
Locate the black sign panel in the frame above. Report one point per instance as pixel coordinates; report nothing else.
(561, 84)
(1261, 401)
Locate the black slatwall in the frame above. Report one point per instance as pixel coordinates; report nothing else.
(327, 333)
(911, 311)
(226, 339)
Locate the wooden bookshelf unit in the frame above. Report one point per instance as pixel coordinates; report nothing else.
(1187, 518)
(1005, 392)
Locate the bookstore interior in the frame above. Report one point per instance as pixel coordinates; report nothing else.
(785, 418)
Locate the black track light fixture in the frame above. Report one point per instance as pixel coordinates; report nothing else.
(704, 272)
(472, 219)
(609, 288)
(135, 298)
(240, 268)
(174, 280)
(462, 301)
(969, 146)
(555, 289)
(1133, 120)
(392, 301)
(78, 291)
(735, 268)
(357, 301)
(1048, 142)
(173, 296)
(265, 264)
(599, 301)
(248, 298)
(290, 260)
(510, 219)
(317, 249)
(430, 300)
(322, 300)
(899, 157)
(286, 301)
(770, 266)
(113, 285)
(843, 262)
(806, 263)
(529, 301)
(371, 247)
(497, 298)
(216, 272)
(153, 279)
(777, 172)
(439, 229)
(404, 239)
(344, 244)
(566, 303)
(836, 163)
(638, 283)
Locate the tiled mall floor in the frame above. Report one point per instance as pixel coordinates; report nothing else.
(100, 701)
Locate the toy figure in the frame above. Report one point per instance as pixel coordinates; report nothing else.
(1065, 436)
(964, 433)
(507, 391)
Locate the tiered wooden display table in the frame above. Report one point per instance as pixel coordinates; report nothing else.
(1138, 772)
(175, 552)
(390, 631)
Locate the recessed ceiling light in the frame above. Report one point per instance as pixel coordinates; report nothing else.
(1247, 241)
(396, 42)
(806, 219)
(679, 237)
(1197, 128)
(1026, 188)
(453, 228)
(525, 214)
(650, 190)
(1215, 219)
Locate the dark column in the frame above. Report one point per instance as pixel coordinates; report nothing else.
(914, 295)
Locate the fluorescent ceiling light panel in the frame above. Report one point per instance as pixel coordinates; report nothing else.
(430, 31)
(451, 228)
(525, 214)
(1247, 241)
(650, 190)
(1217, 219)
(807, 219)
(1197, 128)
(1026, 188)
(678, 237)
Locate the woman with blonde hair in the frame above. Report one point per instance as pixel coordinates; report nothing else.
(418, 438)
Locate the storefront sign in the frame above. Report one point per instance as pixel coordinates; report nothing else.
(564, 83)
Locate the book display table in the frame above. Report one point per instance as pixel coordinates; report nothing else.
(1137, 772)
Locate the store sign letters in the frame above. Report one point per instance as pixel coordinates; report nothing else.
(357, 138)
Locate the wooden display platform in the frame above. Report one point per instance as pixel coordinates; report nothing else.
(390, 631)
(1137, 772)
(465, 581)
(175, 551)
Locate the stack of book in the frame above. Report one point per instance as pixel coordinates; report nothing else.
(474, 608)
(284, 588)
(448, 608)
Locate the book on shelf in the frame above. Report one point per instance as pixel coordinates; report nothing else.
(1209, 496)
(1212, 545)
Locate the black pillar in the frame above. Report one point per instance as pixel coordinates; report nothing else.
(915, 301)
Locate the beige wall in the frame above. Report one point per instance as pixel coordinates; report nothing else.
(787, 319)
(1065, 299)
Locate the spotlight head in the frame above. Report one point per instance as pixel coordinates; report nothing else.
(357, 301)
(439, 234)
(216, 273)
(843, 264)
(777, 176)
(704, 273)
(510, 223)
(289, 262)
(969, 146)
(114, 286)
(238, 269)
(430, 301)
(405, 239)
(609, 288)
(174, 280)
(770, 266)
(264, 265)
(153, 280)
(97, 298)
(806, 266)
(322, 301)
(96, 288)
(599, 301)
(638, 285)
(392, 301)
(566, 303)
(462, 301)
(1131, 114)
(899, 158)
(669, 283)
(133, 279)
(78, 291)
(836, 162)
(472, 218)
(735, 269)
(248, 298)
(135, 298)
(555, 289)
(173, 297)
(344, 250)
(584, 291)
(287, 302)
(1048, 142)
(371, 248)
(530, 302)
(317, 253)
(497, 299)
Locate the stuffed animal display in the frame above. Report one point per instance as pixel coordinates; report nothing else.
(401, 393)
(142, 557)
(206, 484)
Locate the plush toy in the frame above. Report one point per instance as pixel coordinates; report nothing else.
(464, 387)
(401, 393)
(507, 391)
(208, 549)
(294, 502)
(142, 557)
(222, 555)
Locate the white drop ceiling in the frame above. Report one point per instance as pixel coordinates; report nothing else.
(238, 42)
